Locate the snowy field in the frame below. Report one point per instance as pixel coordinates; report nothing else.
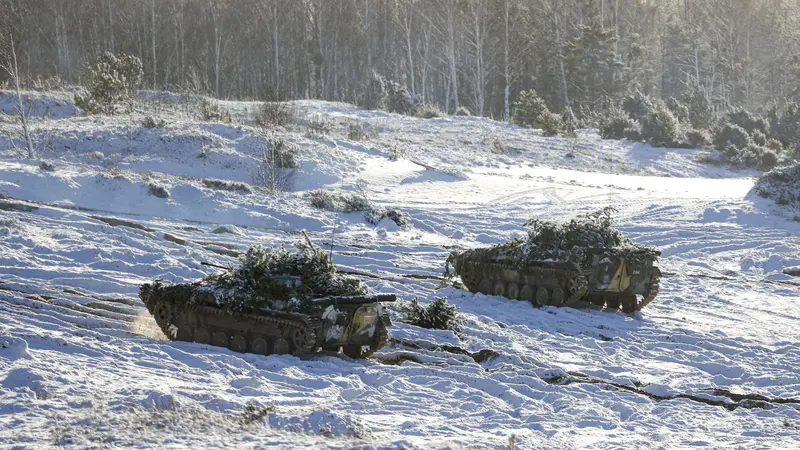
(713, 362)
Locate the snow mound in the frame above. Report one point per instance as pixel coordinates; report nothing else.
(26, 380)
(40, 104)
(13, 348)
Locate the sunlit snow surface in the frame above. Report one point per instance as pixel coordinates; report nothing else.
(82, 363)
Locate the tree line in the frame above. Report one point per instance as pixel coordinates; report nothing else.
(478, 54)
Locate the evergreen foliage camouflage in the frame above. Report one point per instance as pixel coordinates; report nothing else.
(110, 82)
(280, 279)
(568, 241)
(437, 315)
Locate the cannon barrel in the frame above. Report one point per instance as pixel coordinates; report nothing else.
(356, 300)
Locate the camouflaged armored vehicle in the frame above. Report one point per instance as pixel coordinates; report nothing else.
(563, 265)
(276, 302)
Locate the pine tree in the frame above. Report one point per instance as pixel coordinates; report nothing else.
(593, 65)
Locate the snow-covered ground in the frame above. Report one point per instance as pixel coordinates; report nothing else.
(82, 363)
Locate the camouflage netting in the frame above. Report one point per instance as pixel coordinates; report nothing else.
(276, 279)
(566, 242)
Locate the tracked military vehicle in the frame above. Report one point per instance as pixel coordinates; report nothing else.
(584, 261)
(189, 312)
(276, 302)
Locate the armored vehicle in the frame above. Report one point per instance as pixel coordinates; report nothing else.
(275, 302)
(607, 277)
(190, 312)
(582, 260)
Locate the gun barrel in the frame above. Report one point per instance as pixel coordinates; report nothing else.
(203, 263)
(377, 298)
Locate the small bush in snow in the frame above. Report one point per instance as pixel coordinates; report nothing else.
(637, 105)
(274, 114)
(660, 127)
(569, 123)
(678, 109)
(357, 131)
(400, 218)
(768, 159)
(157, 191)
(318, 126)
(528, 109)
(396, 152)
(785, 124)
(253, 414)
(374, 92)
(498, 148)
(550, 123)
(775, 145)
(731, 136)
(633, 132)
(276, 165)
(699, 107)
(463, 111)
(437, 315)
(613, 125)
(110, 82)
(226, 185)
(759, 138)
(356, 202)
(531, 111)
(211, 111)
(428, 111)
(399, 99)
(346, 203)
(698, 138)
(781, 185)
(46, 166)
(381, 93)
(151, 122)
(750, 122)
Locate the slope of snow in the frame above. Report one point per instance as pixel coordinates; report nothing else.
(83, 363)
